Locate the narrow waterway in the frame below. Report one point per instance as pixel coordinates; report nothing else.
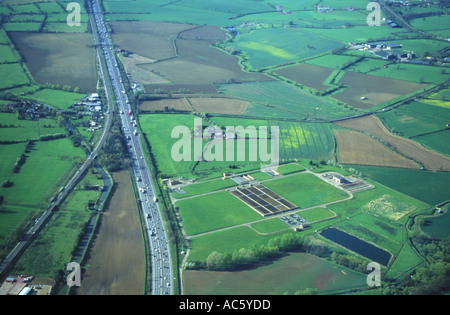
(358, 246)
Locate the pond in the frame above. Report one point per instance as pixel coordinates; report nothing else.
(358, 246)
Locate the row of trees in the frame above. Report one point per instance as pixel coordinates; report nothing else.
(114, 153)
(276, 247)
(432, 277)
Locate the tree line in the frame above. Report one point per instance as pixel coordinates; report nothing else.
(276, 247)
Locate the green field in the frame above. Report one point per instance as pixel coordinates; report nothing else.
(437, 226)
(316, 214)
(47, 166)
(12, 75)
(356, 34)
(221, 209)
(204, 187)
(214, 211)
(287, 63)
(56, 244)
(435, 141)
(433, 24)
(270, 47)
(7, 54)
(416, 118)
(158, 129)
(378, 216)
(428, 187)
(314, 141)
(23, 130)
(305, 190)
(56, 98)
(413, 73)
(276, 99)
(286, 275)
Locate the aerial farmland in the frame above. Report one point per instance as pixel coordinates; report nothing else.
(291, 143)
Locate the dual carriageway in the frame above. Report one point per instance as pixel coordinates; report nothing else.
(162, 272)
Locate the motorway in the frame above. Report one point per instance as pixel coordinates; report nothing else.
(162, 272)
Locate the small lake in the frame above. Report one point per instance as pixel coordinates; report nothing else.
(358, 246)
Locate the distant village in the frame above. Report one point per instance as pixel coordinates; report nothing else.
(390, 51)
(26, 285)
(90, 105)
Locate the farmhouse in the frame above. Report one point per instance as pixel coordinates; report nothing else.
(339, 179)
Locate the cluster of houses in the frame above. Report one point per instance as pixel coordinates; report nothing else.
(91, 102)
(28, 109)
(401, 3)
(26, 285)
(90, 105)
(213, 132)
(323, 9)
(386, 51)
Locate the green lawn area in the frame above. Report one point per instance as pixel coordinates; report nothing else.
(205, 187)
(57, 98)
(360, 199)
(413, 73)
(316, 214)
(278, 100)
(46, 167)
(429, 187)
(273, 46)
(214, 211)
(305, 190)
(269, 226)
(10, 153)
(225, 241)
(416, 118)
(53, 248)
(12, 75)
(158, 129)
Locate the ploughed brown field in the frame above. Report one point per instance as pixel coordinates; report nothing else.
(430, 160)
(306, 74)
(59, 58)
(354, 147)
(204, 104)
(218, 105)
(376, 90)
(178, 104)
(178, 56)
(116, 257)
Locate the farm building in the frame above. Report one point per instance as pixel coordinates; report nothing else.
(25, 291)
(393, 46)
(373, 45)
(339, 179)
